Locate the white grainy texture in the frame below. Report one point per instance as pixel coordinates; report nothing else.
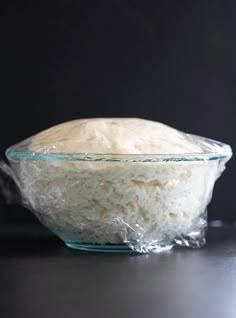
(144, 204)
(102, 202)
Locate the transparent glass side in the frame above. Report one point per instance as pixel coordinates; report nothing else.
(51, 183)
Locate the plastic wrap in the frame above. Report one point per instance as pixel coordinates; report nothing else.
(109, 184)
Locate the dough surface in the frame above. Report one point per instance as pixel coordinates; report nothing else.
(113, 135)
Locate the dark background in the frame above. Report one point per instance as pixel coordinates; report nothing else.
(170, 61)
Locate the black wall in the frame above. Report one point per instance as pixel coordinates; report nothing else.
(171, 61)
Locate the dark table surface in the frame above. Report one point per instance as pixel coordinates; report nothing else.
(40, 277)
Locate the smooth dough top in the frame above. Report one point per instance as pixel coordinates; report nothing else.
(114, 136)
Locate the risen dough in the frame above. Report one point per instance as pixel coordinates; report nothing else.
(113, 135)
(144, 204)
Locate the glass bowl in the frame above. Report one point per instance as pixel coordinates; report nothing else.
(120, 203)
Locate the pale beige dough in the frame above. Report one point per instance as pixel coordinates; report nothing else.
(113, 135)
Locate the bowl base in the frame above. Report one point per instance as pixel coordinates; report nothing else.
(107, 248)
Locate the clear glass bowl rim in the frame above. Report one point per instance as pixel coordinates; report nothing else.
(225, 152)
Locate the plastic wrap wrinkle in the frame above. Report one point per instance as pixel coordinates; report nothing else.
(119, 181)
